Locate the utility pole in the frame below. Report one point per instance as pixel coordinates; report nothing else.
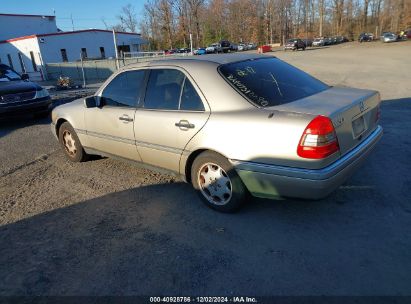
(306, 21)
(82, 70)
(115, 49)
(72, 22)
(191, 43)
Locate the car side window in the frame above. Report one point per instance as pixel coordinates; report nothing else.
(190, 101)
(164, 89)
(124, 90)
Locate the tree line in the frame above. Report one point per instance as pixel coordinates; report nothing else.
(167, 24)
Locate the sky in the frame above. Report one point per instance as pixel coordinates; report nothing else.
(86, 13)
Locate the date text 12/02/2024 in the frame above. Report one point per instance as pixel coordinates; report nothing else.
(239, 299)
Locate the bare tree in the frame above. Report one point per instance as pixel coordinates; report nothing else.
(128, 18)
(168, 23)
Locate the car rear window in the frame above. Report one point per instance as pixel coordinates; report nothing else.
(270, 82)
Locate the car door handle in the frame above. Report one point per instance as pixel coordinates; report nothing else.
(185, 124)
(126, 118)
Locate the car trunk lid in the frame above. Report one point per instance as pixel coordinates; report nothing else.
(353, 112)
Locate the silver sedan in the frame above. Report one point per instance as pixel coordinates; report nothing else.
(228, 124)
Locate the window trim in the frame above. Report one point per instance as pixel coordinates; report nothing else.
(147, 70)
(138, 99)
(241, 93)
(193, 83)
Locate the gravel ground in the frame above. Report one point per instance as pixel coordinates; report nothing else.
(107, 227)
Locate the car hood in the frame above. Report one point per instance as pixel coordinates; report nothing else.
(18, 86)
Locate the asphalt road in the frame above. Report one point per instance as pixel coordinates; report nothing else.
(107, 227)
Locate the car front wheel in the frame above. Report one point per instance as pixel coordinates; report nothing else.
(217, 183)
(71, 144)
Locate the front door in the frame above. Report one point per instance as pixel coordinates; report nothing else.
(111, 126)
(172, 114)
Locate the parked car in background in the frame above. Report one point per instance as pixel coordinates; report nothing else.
(225, 46)
(342, 39)
(318, 42)
(200, 51)
(365, 37)
(166, 114)
(18, 95)
(408, 33)
(233, 47)
(294, 44)
(251, 46)
(184, 51)
(308, 42)
(214, 48)
(241, 47)
(388, 37)
(170, 52)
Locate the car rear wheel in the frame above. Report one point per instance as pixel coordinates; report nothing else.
(217, 183)
(71, 144)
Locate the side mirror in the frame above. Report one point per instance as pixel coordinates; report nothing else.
(25, 76)
(90, 102)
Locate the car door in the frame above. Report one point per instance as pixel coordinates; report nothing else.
(172, 113)
(111, 125)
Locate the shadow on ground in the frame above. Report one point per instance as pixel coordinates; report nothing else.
(8, 125)
(160, 239)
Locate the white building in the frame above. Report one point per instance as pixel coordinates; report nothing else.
(29, 53)
(13, 25)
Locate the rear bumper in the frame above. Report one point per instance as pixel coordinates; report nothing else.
(26, 107)
(272, 181)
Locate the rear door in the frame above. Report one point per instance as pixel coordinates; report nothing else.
(111, 126)
(173, 112)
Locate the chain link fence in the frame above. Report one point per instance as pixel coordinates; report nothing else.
(99, 70)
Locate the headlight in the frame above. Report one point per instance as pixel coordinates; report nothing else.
(42, 93)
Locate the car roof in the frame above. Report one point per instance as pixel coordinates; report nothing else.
(216, 59)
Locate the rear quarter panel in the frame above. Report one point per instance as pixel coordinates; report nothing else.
(253, 136)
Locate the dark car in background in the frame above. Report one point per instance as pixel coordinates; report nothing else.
(18, 95)
(294, 44)
(365, 37)
(308, 42)
(225, 46)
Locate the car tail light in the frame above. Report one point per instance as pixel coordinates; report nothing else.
(319, 139)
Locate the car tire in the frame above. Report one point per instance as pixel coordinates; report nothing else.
(71, 144)
(217, 183)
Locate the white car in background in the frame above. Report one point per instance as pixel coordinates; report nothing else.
(318, 42)
(214, 48)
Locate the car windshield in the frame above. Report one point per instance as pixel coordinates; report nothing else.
(270, 82)
(292, 40)
(8, 75)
